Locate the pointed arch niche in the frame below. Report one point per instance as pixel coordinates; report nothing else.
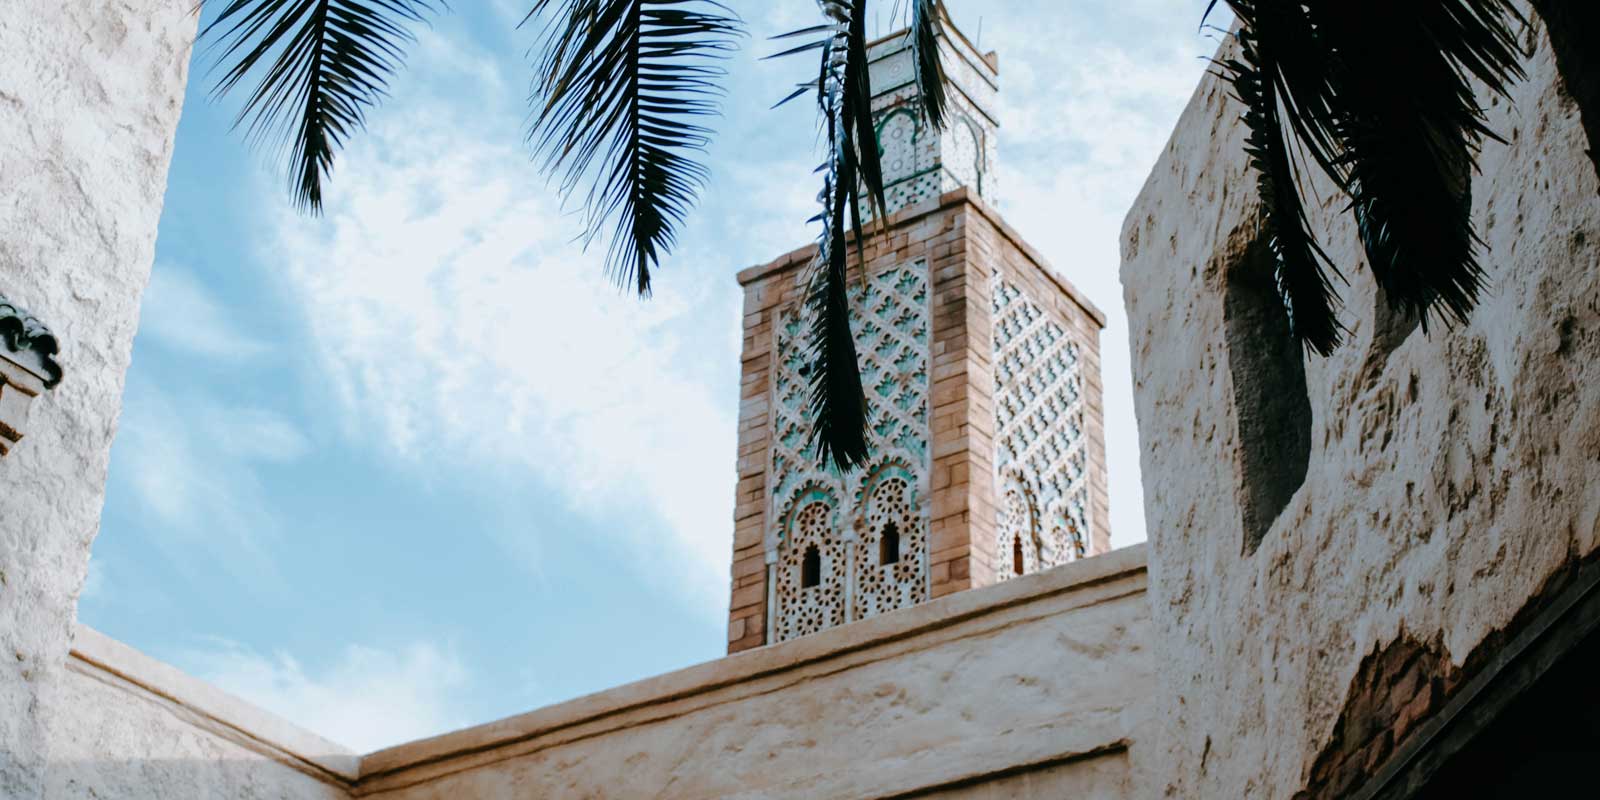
(889, 518)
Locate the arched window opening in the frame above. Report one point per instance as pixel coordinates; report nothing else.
(889, 545)
(811, 568)
(1018, 566)
(1271, 403)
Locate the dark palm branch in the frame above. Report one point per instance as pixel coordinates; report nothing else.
(1301, 267)
(1411, 145)
(318, 66)
(927, 19)
(851, 169)
(1378, 94)
(622, 86)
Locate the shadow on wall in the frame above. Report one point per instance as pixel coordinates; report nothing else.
(1571, 25)
(1269, 392)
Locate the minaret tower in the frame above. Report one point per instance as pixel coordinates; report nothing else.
(982, 368)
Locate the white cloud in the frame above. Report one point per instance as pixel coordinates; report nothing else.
(192, 463)
(181, 314)
(456, 319)
(252, 434)
(367, 699)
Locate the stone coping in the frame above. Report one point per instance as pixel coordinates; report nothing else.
(610, 709)
(214, 710)
(103, 658)
(910, 214)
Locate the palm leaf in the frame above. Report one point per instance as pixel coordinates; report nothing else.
(852, 169)
(926, 23)
(1410, 146)
(1277, 52)
(1379, 95)
(318, 66)
(621, 91)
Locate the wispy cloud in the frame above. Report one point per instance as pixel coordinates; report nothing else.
(456, 319)
(193, 464)
(180, 314)
(366, 699)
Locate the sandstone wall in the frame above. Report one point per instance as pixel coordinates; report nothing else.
(1447, 477)
(1035, 688)
(126, 726)
(90, 93)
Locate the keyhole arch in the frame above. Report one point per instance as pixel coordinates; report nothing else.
(811, 568)
(889, 544)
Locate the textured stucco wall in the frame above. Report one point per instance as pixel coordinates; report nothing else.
(128, 727)
(1447, 479)
(90, 93)
(1034, 688)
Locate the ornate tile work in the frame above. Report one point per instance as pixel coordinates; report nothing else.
(1041, 456)
(23, 334)
(892, 574)
(910, 154)
(1018, 528)
(811, 523)
(965, 157)
(893, 332)
(922, 163)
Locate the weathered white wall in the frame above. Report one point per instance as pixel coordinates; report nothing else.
(1447, 480)
(90, 92)
(1035, 688)
(128, 727)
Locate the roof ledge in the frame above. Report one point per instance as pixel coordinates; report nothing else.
(28, 343)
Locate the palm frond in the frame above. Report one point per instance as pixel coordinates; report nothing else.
(852, 169)
(926, 22)
(1410, 146)
(838, 403)
(622, 88)
(1378, 94)
(318, 66)
(1261, 80)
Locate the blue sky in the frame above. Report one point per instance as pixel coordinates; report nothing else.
(415, 465)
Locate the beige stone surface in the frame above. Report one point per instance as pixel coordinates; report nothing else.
(1102, 776)
(1039, 683)
(1446, 479)
(126, 726)
(1035, 688)
(90, 93)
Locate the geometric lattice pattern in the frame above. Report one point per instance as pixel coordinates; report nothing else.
(808, 500)
(812, 532)
(1041, 453)
(888, 572)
